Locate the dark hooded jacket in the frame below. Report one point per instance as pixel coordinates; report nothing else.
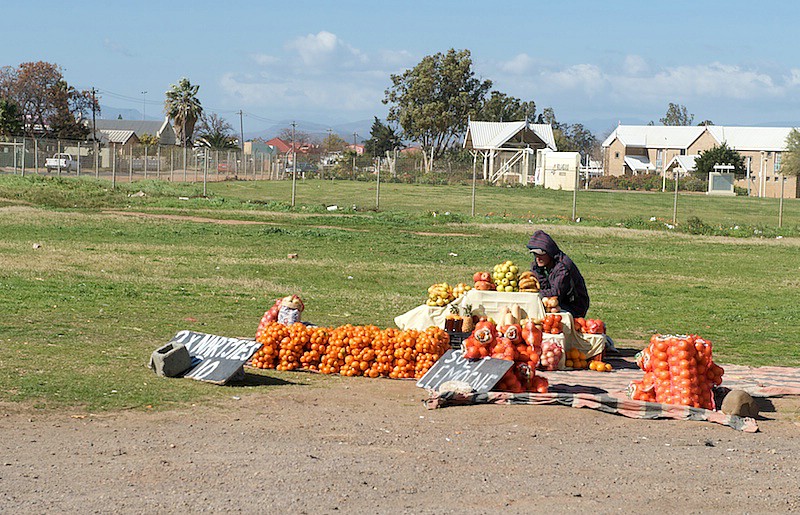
(563, 280)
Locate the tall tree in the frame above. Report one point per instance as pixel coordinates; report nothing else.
(500, 107)
(570, 137)
(677, 115)
(433, 101)
(334, 143)
(10, 118)
(718, 155)
(216, 133)
(213, 123)
(382, 139)
(300, 137)
(184, 108)
(790, 163)
(47, 103)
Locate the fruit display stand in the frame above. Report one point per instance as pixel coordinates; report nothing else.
(589, 344)
(484, 303)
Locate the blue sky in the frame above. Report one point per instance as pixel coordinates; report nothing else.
(732, 62)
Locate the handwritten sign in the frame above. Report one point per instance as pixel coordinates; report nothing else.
(218, 357)
(481, 374)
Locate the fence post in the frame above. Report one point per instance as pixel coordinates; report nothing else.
(130, 164)
(185, 157)
(158, 162)
(78, 171)
(114, 166)
(145, 162)
(205, 171)
(96, 160)
(23, 156)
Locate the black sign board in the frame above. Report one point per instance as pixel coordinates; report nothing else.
(481, 374)
(218, 357)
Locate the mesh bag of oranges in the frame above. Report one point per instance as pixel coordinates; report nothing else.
(350, 350)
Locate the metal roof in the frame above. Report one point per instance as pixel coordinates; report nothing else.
(493, 135)
(639, 163)
(771, 139)
(162, 129)
(117, 136)
(686, 162)
(655, 136)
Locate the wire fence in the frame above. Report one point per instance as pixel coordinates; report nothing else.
(133, 161)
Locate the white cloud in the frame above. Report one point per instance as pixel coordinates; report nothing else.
(707, 80)
(518, 65)
(583, 77)
(634, 65)
(286, 93)
(264, 59)
(794, 77)
(325, 49)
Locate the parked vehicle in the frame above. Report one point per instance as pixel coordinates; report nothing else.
(64, 162)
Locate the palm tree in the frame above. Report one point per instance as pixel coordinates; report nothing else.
(184, 108)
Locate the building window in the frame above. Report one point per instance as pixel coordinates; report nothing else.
(683, 151)
(659, 158)
(616, 155)
(777, 167)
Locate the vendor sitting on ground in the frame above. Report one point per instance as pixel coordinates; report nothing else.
(558, 276)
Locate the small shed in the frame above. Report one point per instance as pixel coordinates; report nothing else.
(682, 165)
(508, 149)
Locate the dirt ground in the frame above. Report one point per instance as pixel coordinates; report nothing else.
(369, 446)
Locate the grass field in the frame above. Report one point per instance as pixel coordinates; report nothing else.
(80, 315)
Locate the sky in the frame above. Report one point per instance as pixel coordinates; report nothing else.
(597, 63)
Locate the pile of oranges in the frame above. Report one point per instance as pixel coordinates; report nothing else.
(678, 370)
(350, 350)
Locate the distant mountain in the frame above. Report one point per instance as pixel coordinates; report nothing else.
(316, 130)
(112, 113)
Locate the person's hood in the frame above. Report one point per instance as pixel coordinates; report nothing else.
(542, 240)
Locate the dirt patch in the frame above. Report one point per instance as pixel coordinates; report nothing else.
(455, 234)
(361, 446)
(221, 221)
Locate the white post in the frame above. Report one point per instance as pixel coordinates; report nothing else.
(23, 156)
(780, 207)
(145, 162)
(59, 159)
(78, 171)
(675, 202)
(130, 164)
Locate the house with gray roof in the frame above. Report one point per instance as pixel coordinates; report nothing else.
(162, 130)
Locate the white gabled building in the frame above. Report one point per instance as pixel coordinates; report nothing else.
(634, 149)
(508, 149)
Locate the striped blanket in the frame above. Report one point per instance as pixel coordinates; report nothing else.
(606, 392)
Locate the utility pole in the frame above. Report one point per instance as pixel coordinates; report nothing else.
(355, 153)
(94, 136)
(294, 165)
(144, 105)
(241, 133)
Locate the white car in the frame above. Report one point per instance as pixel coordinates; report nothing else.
(64, 162)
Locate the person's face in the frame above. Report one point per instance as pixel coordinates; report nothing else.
(543, 260)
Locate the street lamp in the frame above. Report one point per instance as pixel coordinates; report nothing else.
(144, 104)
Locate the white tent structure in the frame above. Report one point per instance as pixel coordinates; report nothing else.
(508, 148)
